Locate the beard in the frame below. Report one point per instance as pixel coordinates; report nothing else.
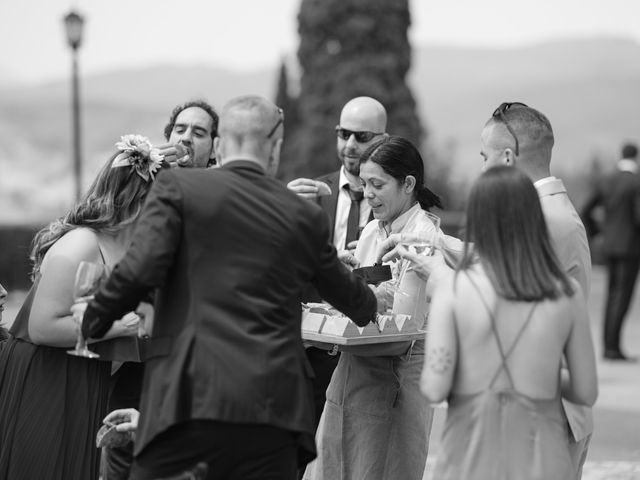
(351, 162)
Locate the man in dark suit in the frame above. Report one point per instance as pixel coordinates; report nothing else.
(363, 121)
(190, 131)
(619, 194)
(230, 251)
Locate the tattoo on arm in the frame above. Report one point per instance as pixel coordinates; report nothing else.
(440, 360)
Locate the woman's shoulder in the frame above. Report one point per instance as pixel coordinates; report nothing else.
(81, 243)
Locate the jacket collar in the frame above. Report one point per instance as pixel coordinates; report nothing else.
(240, 164)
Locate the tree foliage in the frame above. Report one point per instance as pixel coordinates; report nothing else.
(348, 48)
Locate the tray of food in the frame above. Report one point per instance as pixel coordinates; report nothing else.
(322, 323)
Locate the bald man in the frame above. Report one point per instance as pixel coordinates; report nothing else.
(363, 121)
(226, 385)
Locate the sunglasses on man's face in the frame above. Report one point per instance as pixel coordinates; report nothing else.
(499, 113)
(361, 137)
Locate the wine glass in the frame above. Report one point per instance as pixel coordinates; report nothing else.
(423, 242)
(88, 278)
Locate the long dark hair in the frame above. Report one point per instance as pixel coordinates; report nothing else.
(509, 234)
(399, 157)
(112, 202)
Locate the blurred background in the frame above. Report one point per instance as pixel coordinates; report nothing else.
(440, 68)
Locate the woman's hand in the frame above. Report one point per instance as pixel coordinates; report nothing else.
(347, 257)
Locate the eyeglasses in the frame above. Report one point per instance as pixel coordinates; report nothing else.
(361, 137)
(278, 123)
(499, 113)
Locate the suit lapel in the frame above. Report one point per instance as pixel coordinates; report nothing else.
(330, 203)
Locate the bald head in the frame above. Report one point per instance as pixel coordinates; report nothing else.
(250, 128)
(364, 114)
(367, 119)
(535, 141)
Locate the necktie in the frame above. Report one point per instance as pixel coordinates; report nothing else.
(353, 221)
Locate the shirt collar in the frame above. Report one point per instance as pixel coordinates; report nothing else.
(544, 181)
(399, 223)
(233, 163)
(344, 180)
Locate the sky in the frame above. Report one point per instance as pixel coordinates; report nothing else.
(251, 34)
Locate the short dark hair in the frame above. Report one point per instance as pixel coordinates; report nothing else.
(193, 103)
(510, 237)
(629, 150)
(398, 157)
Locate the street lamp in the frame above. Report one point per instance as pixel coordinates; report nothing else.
(73, 23)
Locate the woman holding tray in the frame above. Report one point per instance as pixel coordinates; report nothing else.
(374, 399)
(498, 331)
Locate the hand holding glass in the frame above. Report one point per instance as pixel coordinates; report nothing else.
(423, 242)
(88, 278)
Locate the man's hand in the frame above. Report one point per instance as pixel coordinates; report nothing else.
(125, 419)
(175, 154)
(423, 265)
(388, 250)
(308, 188)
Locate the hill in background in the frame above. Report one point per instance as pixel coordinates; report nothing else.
(587, 88)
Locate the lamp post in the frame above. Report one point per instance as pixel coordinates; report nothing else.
(73, 23)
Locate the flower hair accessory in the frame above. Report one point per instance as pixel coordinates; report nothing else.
(136, 151)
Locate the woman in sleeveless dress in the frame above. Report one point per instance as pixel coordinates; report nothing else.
(375, 424)
(498, 332)
(52, 403)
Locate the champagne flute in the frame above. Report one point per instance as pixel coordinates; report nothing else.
(88, 278)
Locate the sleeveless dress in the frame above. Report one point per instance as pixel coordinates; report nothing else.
(502, 434)
(51, 407)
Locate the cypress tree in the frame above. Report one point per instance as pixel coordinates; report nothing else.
(350, 48)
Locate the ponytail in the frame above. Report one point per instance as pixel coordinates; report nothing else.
(428, 199)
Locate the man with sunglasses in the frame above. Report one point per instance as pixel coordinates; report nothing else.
(363, 121)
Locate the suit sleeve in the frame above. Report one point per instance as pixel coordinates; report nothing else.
(586, 214)
(341, 288)
(144, 267)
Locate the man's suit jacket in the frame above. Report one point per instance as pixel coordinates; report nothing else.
(619, 193)
(572, 247)
(230, 251)
(329, 203)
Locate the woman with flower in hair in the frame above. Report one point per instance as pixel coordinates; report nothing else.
(51, 403)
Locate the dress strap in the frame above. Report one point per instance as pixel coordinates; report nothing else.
(504, 356)
(104, 262)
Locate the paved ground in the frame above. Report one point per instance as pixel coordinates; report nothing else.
(615, 446)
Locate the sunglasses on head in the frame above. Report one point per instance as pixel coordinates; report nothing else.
(361, 137)
(499, 114)
(278, 123)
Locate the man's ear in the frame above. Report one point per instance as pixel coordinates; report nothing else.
(509, 158)
(215, 153)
